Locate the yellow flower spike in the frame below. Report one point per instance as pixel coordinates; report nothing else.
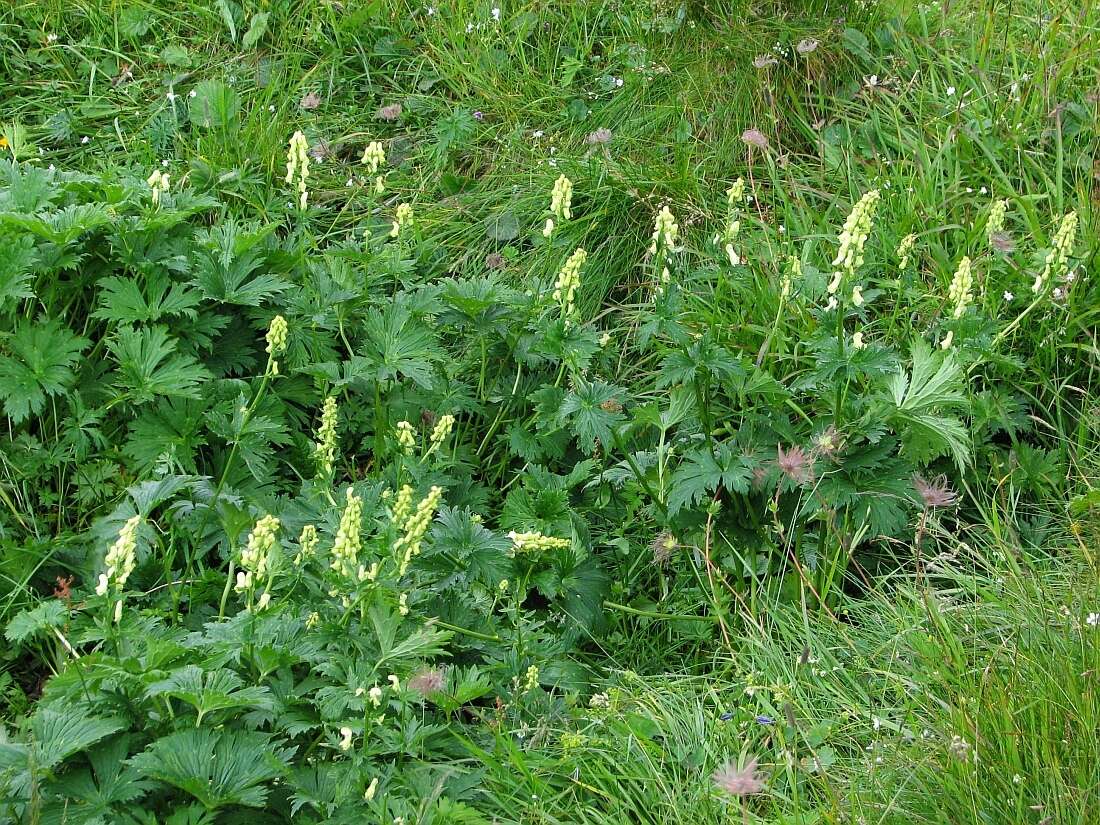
(406, 436)
(256, 556)
(158, 185)
(442, 430)
(276, 336)
(995, 224)
(534, 541)
(403, 217)
(345, 550)
(959, 291)
(853, 237)
(569, 280)
(904, 249)
(297, 166)
(324, 449)
(1055, 264)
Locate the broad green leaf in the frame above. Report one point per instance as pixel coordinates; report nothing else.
(149, 366)
(41, 363)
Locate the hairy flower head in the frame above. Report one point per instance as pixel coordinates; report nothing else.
(738, 781)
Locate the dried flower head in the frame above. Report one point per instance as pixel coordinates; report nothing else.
(428, 682)
(494, 260)
(754, 137)
(310, 101)
(738, 781)
(934, 493)
(794, 463)
(806, 45)
(763, 61)
(663, 546)
(600, 136)
(390, 112)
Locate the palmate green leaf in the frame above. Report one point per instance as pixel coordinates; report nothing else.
(42, 617)
(217, 767)
(168, 432)
(17, 258)
(62, 226)
(123, 301)
(576, 583)
(397, 346)
(701, 474)
(209, 691)
(702, 359)
(922, 401)
(458, 542)
(226, 263)
(60, 730)
(41, 363)
(592, 409)
(83, 795)
(149, 366)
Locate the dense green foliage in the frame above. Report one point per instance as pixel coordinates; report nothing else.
(385, 387)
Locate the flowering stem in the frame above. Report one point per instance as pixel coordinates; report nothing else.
(466, 632)
(651, 614)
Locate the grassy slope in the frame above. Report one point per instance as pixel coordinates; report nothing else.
(1000, 654)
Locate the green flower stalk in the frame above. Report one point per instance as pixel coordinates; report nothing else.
(1056, 263)
(297, 166)
(345, 550)
(406, 436)
(792, 273)
(904, 249)
(120, 561)
(402, 218)
(959, 291)
(158, 185)
(561, 204)
(374, 157)
(995, 223)
(535, 542)
(324, 449)
(569, 280)
(853, 237)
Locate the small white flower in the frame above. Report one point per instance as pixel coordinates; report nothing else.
(496, 13)
(469, 28)
(618, 82)
(984, 191)
(85, 140)
(1008, 296)
(171, 97)
(1093, 620)
(537, 133)
(271, 108)
(193, 93)
(950, 91)
(1058, 293)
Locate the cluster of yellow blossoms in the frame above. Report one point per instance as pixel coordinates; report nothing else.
(297, 166)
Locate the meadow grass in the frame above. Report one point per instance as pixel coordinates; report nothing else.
(950, 677)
